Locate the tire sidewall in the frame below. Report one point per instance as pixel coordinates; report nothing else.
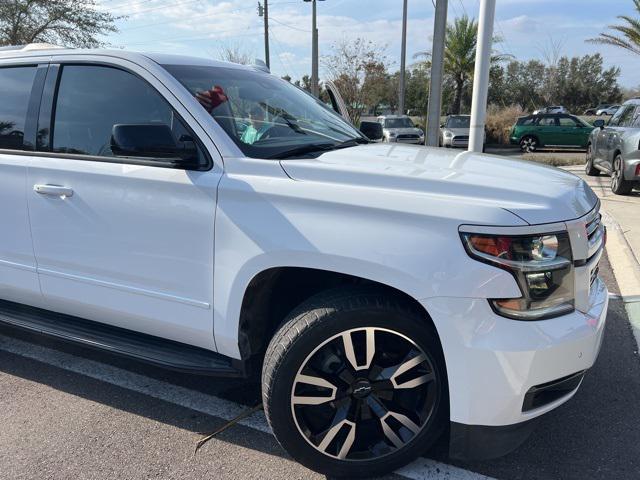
(279, 408)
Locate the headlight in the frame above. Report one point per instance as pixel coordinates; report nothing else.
(542, 266)
(448, 134)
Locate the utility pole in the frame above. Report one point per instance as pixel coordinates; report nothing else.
(314, 48)
(264, 12)
(437, 72)
(481, 75)
(403, 55)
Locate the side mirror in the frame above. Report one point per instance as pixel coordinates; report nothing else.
(599, 123)
(372, 130)
(152, 140)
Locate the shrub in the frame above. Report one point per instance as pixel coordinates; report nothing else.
(500, 121)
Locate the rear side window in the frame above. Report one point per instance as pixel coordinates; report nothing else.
(547, 122)
(526, 121)
(15, 90)
(92, 100)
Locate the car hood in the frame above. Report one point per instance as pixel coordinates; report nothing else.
(456, 131)
(536, 193)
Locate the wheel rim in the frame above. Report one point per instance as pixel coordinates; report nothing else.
(615, 174)
(363, 394)
(528, 144)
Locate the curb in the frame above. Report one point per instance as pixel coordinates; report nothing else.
(626, 270)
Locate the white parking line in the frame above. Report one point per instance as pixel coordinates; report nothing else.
(421, 469)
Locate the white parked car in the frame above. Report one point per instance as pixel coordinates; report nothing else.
(213, 218)
(611, 110)
(400, 129)
(553, 109)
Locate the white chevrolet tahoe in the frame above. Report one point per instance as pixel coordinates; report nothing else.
(213, 218)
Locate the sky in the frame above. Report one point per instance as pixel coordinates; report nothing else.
(528, 28)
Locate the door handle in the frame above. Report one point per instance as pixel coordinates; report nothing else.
(53, 190)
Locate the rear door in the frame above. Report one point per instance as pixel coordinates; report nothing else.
(547, 130)
(124, 240)
(18, 277)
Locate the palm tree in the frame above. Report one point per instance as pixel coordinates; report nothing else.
(630, 38)
(460, 56)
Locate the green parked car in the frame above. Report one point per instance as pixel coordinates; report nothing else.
(550, 130)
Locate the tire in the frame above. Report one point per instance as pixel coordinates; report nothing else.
(589, 169)
(528, 144)
(619, 185)
(338, 437)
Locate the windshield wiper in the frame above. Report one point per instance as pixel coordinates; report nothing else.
(304, 149)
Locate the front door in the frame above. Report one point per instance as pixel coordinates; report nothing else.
(119, 238)
(572, 133)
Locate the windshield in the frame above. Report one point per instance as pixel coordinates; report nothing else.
(458, 122)
(401, 122)
(266, 116)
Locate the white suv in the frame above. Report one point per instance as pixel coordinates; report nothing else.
(213, 218)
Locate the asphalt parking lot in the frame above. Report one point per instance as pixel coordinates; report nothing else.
(69, 412)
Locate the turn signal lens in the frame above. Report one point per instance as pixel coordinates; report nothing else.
(541, 265)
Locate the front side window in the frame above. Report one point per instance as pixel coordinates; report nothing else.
(15, 90)
(567, 122)
(107, 112)
(265, 116)
(621, 113)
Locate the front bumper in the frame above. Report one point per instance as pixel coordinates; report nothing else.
(493, 362)
(455, 142)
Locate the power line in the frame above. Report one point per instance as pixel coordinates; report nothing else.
(290, 26)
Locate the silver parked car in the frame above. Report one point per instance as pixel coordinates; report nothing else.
(613, 148)
(454, 132)
(400, 129)
(610, 110)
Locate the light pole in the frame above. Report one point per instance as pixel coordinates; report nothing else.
(437, 71)
(403, 55)
(264, 12)
(481, 75)
(314, 49)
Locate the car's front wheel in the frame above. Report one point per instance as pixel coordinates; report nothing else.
(354, 383)
(528, 144)
(619, 185)
(589, 169)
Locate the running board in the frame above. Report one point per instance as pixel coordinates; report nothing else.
(146, 348)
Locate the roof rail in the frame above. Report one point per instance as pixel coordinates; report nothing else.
(29, 47)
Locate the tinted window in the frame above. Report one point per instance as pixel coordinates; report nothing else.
(547, 122)
(92, 99)
(567, 122)
(526, 121)
(626, 119)
(615, 119)
(15, 89)
(402, 122)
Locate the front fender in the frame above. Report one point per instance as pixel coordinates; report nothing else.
(266, 221)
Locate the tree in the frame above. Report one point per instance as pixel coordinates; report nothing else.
(460, 58)
(234, 54)
(72, 23)
(629, 30)
(577, 83)
(349, 65)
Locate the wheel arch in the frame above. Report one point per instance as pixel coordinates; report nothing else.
(275, 292)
